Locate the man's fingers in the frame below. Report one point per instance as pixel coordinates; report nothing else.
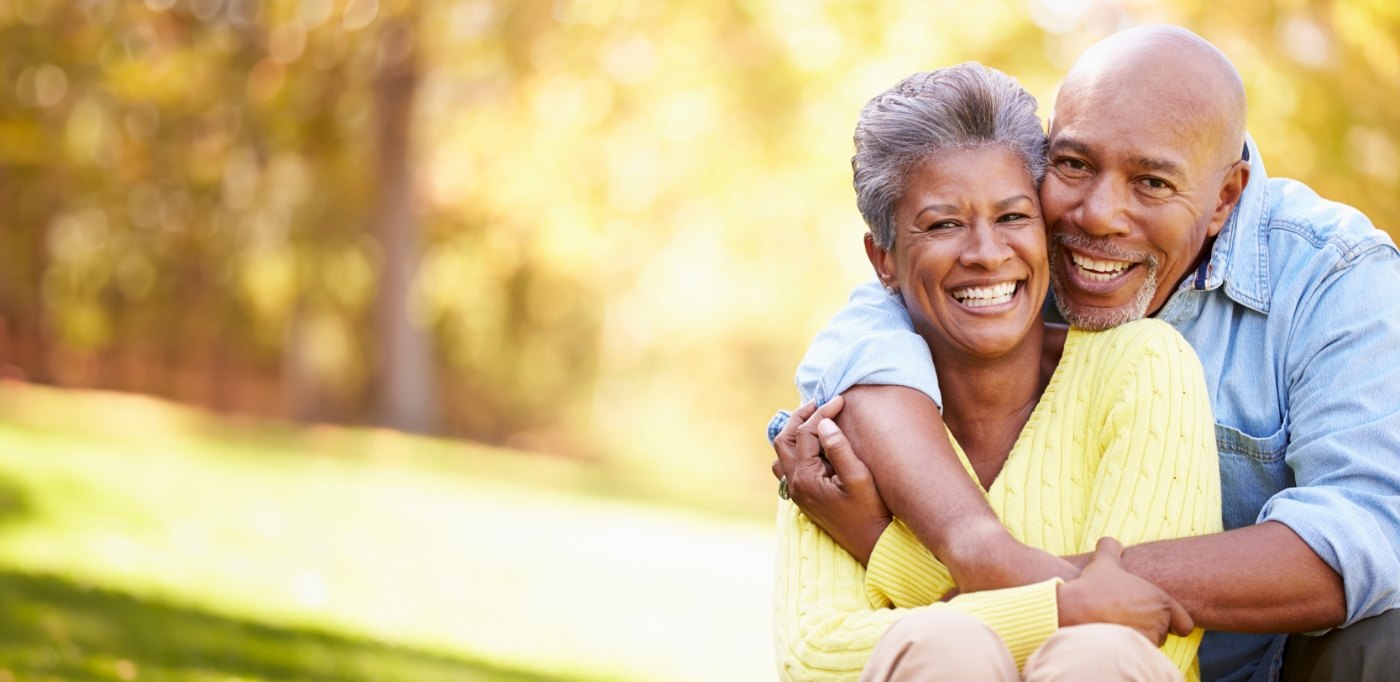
(1109, 548)
(1181, 624)
(838, 450)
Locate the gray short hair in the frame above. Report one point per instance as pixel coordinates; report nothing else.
(965, 106)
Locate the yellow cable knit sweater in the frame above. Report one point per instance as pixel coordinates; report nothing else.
(1122, 443)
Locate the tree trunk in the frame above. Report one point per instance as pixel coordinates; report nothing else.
(403, 386)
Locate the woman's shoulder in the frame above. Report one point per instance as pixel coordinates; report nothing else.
(1133, 337)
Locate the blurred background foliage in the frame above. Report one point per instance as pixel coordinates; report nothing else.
(601, 228)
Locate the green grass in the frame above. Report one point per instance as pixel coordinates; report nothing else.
(56, 629)
(143, 541)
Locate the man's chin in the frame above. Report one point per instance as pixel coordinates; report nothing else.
(1095, 318)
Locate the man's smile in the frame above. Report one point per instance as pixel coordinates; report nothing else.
(1098, 269)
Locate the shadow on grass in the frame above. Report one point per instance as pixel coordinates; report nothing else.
(14, 501)
(51, 628)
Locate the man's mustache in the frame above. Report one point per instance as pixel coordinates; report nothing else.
(1104, 247)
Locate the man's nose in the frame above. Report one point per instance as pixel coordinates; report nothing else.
(1103, 211)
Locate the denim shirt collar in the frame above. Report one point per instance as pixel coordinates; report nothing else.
(1240, 257)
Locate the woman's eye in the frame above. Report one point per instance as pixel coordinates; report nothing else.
(1013, 218)
(943, 225)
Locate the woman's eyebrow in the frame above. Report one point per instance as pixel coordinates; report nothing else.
(1011, 201)
(941, 208)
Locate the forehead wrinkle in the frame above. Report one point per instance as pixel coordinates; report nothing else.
(1193, 121)
(1191, 84)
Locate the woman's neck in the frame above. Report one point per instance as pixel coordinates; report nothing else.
(987, 401)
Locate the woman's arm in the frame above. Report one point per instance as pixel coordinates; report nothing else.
(825, 628)
(827, 624)
(900, 437)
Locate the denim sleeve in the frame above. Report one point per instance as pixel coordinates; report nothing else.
(1344, 420)
(870, 341)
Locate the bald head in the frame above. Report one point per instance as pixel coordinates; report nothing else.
(1174, 71)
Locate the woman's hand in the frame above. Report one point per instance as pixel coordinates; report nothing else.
(835, 491)
(1105, 592)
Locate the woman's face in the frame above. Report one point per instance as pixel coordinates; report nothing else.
(969, 255)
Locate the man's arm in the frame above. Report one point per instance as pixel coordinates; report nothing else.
(1260, 578)
(1325, 552)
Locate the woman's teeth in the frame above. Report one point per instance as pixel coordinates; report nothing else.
(976, 297)
(1098, 270)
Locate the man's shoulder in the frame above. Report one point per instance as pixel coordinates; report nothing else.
(1303, 227)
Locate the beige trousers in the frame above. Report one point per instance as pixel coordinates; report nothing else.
(943, 645)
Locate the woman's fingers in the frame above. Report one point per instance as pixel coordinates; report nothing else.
(785, 445)
(799, 448)
(849, 468)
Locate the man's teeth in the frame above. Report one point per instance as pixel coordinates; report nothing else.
(1098, 270)
(976, 297)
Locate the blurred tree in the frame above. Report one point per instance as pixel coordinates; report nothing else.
(588, 226)
(404, 389)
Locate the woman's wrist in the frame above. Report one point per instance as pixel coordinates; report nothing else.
(991, 558)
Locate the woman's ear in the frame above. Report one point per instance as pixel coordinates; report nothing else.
(883, 262)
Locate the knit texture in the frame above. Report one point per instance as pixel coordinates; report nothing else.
(1120, 444)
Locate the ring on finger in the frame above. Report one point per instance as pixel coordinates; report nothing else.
(782, 487)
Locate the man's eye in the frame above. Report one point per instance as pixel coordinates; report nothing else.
(1071, 164)
(1156, 183)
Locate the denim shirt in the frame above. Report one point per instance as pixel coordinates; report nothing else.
(1296, 318)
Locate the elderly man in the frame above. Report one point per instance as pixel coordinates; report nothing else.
(1158, 204)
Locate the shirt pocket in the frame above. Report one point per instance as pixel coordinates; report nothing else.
(1252, 470)
(1269, 448)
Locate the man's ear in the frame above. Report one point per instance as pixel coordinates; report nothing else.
(882, 261)
(1231, 189)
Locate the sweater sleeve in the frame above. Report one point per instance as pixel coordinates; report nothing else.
(825, 628)
(1158, 477)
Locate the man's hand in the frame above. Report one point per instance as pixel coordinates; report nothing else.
(1105, 592)
(835, 491)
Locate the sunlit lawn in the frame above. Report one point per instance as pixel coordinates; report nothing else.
(141, 541)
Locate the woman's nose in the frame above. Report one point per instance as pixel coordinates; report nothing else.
(986, 248)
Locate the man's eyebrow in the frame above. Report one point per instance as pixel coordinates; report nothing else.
(1062, 143)
(1162, 166)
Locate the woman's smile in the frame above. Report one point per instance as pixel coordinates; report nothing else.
(986, 296)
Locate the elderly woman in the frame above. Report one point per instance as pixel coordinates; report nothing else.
(1115, 431)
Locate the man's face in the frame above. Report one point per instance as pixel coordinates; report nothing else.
(1130, 199)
